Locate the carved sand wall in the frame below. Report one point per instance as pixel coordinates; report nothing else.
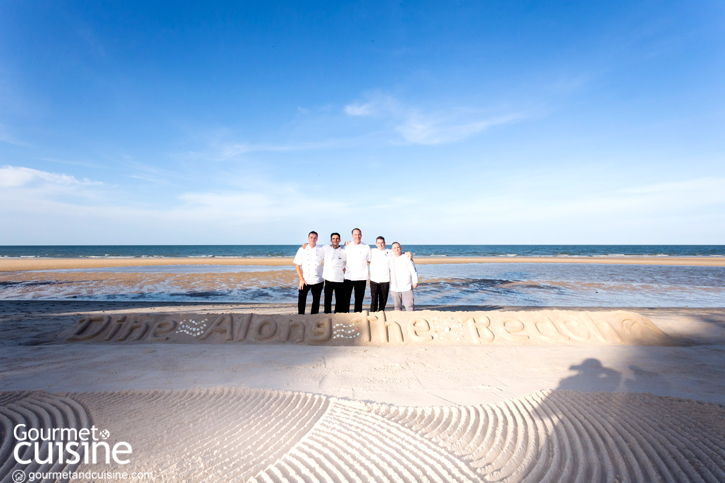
(381, 328)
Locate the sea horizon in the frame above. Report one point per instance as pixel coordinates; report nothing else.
(288, 250)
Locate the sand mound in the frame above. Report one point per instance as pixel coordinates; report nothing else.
(227, 434)
(573, 327)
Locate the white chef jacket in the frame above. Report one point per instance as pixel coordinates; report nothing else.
(358, 257)
(310, 260)
(335, 259)
(403, 274)
(380, 265)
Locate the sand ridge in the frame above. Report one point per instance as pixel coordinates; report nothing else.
(378, 328)
(23, 264)
(241, 434)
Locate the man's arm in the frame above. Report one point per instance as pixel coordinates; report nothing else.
(299, 259)
(413, 274)
(407, 254)
(302, 283)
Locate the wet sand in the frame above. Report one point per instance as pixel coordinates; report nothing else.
(53, 285)
(499, 284)
(15, 264)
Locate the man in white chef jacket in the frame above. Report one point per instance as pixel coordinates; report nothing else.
(308, 263)
(334, 274)
(379, 275)
(403, 279)
(356, 270)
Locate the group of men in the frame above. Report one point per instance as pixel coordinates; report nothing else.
(344, 270)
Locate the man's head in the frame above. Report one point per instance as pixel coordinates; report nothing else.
(380, 243)
(397, 249)
(356, 235)
(312, 239)
(335, 240)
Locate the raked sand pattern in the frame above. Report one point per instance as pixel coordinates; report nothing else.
(36, 410)
(239, 434)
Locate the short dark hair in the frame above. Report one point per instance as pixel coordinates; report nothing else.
(396, 243)
(310, 233)
(358, 229)
(336, 233)
(380, 238)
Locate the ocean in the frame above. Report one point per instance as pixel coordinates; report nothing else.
(253, 251)
(490, 284)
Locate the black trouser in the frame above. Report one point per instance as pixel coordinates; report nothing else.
(302, 300)
(359, 287)
(379, 293)
(339, 289)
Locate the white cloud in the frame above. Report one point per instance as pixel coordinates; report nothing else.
(18, 176)
(687, 211)
(377, 104)
(431, 130)
(318, 129)
(255, 199)
(359, 109)
(226, 151)
(43, 207)
(417, 126)
(234, 149)
(263, 203)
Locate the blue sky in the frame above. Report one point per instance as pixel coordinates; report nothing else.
(428, 122)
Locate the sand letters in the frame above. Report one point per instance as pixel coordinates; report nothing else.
(382, 328)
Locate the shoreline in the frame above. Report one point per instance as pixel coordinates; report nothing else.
(19, 265)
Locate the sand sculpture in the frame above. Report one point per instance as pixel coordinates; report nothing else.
(382, 328)
(239, 434)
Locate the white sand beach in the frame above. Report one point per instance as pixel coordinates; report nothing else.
(646, 406)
